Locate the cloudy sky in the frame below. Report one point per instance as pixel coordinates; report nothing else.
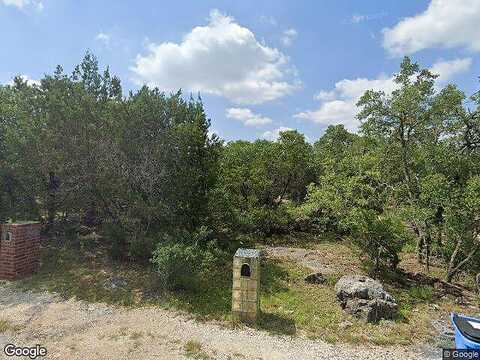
(260, 66)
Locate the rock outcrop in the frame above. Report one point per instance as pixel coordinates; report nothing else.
(365, 298)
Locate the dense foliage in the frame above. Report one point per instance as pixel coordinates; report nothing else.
(144, 171)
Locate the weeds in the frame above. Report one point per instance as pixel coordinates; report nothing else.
(193, 349)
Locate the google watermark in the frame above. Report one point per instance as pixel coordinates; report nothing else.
(33, 352)
(464, 354)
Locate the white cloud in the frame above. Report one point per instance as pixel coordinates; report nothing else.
(447, 69)
(288, 37)
(247, 117)
(17, 3)
(358, 18)
(325, 95)
(445, 23)
(27, 79)
(21, 4)
(274, 134)
(103, 38)
(338, 106)
(270, 20)
(222, 58)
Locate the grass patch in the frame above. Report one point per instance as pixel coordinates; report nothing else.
(7, 326)
(135, 335)
(421, 294)
(295, 307)
(193, 349)
(292, 305)
(123, 333)
(88, 276)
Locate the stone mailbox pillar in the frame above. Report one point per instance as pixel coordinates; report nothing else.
(19, 249)
(246, 285)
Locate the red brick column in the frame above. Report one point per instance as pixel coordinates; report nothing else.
(19, 249)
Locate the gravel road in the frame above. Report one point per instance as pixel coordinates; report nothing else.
(72, 329)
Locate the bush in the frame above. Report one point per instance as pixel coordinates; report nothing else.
(181, 258)
(142, 247)
(324, 208)
(421, 293)
(380, 237)
(128, 241)
(118, 236)
(268, 221)
(177, 265)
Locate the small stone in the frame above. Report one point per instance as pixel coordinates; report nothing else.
(388, 323)
(444, 329)
(345, 324)
(114, 283)
(315, 278)
(461, 301)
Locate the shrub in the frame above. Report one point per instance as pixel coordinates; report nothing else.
(142, 247)
(325, 207)
(177, 265)
(117, 235)
(421, 293)
(268, 221)
(128, 240)
(380, 236)
(180, 258)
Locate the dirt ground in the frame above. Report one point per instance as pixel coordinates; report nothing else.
(78, 330)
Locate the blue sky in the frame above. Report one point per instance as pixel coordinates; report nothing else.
(259, 66)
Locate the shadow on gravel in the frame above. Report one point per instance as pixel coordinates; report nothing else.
(277, 324)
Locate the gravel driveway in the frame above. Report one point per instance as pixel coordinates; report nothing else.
(78, 330)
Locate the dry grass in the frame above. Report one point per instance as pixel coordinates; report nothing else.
(193, 349)
(7, 326)
(312, 310)
(85, 275)
(409, 262)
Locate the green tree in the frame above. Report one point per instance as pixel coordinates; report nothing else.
(411, 123)
(263, 178)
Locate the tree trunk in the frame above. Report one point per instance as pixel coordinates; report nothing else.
(284, 191)
(454, 269)
(428, 244)
(440, 237)
(451, 263)
(419, 248)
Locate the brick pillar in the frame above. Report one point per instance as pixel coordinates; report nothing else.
(19, 249)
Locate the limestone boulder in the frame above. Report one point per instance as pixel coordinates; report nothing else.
(365, 298)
